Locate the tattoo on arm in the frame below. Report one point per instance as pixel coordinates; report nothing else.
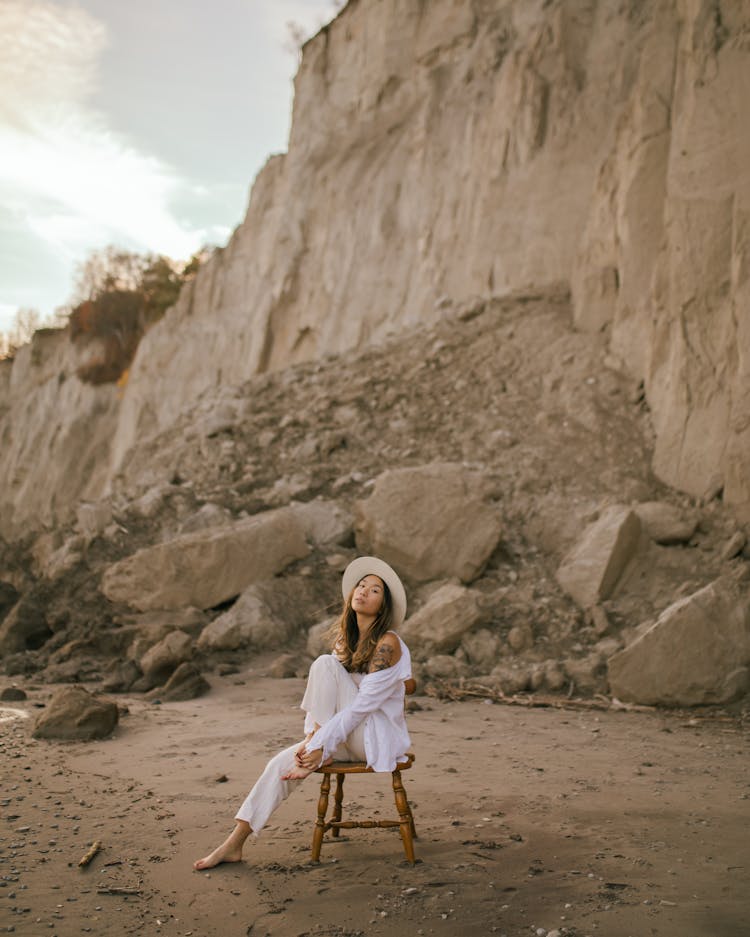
(382, 659)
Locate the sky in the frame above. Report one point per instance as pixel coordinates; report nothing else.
(138, 123)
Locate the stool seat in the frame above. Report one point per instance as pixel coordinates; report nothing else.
(405, 823)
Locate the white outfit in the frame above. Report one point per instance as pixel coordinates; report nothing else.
(361, 718)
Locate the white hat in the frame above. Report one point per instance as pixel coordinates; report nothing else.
(372, 566)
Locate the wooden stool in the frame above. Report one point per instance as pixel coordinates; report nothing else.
(405, 823)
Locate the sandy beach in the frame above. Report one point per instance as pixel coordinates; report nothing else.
(529, 820)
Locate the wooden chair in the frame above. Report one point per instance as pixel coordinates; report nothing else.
(405, 823)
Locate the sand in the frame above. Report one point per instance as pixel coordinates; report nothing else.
(529, 820)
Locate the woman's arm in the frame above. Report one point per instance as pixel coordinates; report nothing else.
(387, 653)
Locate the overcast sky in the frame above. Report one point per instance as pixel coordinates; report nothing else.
(139, 123)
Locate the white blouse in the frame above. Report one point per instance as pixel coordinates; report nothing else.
(380, 702)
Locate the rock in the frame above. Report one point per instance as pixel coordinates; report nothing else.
(12, 694)
(25, 627)
(521, 637)
(510, 678)
(697, 652)
(149, 504)
(251, 622)
(122, 676)
(285, 666)
(66, 558)
(186, 683)
(208, 515)
(93, 518)
(599, 620)
(264, 616)
(73, 713)
(444, 666)
(80, 668)
(325, 523)
(607, 647)
(163, 658)
(151, 627)
(208, 567)
(587, 673)
(554, 675)
(317, 643)
(439, 626)
(734, 546)
(400, 522)
(665, 523)
(482, 648)
(591, 570)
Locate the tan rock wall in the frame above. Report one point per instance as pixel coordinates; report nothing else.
(663, 260)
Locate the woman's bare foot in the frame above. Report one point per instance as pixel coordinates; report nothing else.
(229, 851)
(219, 855)
(297, 773)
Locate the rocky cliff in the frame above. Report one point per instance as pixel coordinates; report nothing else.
(450, 150)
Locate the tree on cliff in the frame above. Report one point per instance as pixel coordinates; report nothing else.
(119, 295)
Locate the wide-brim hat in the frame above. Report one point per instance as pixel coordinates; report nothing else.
(372, 566)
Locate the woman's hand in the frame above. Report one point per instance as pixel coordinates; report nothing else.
(309, 760)
(410, 686)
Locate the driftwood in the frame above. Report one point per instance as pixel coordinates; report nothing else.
(473, 690)
(116, 890)
(85, 859)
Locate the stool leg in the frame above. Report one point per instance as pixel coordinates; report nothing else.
(404, 814)
(320, 823)
(338, 799)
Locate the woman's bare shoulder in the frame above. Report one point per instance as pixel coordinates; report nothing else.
(387, 652)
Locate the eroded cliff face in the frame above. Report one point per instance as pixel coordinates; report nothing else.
(453, 149)
(663, 262)
(55, 434)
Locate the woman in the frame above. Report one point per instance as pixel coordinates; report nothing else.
(354, 700)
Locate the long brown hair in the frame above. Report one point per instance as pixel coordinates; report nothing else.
(344, 633)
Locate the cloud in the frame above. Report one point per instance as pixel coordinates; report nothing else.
(65, 174)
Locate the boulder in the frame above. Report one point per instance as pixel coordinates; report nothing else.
(251, 622)
(12, 694)
(207, 567)
(151, 627)
(697, 652)
(286, 666)
(163, 658)
(511, 678)
(444, 667)
(121, 677)
(440, 625)
(665, 523)
(93, 518)
(73, 713)
(24, 628)
(430, 522)
(554, 675)
(208, 515)
(187, 682)
(587, 673)
(317, 643)
(591, 570)
(326, 523)
(521, 637)
(482, 649)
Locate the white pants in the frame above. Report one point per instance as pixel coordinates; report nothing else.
(329, 689)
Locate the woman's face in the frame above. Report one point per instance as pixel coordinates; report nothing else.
(367, 598)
